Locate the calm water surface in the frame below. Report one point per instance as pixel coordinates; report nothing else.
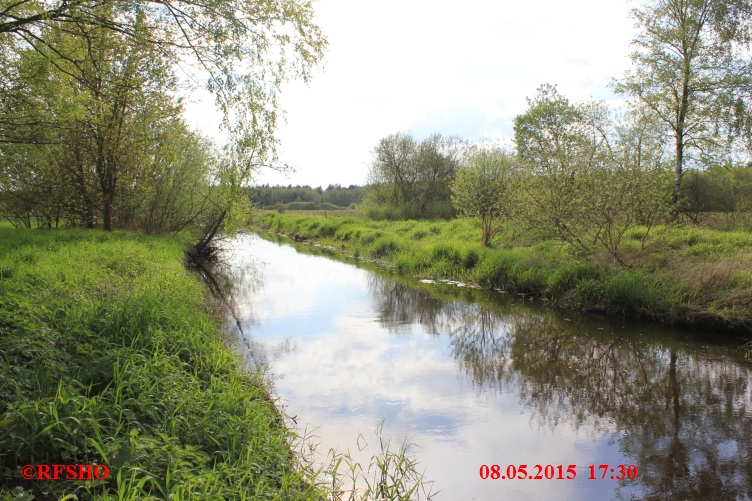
(474, 377)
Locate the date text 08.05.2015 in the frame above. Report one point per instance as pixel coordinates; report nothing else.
(557, 472)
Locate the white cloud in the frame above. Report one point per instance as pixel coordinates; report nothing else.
(439, 66)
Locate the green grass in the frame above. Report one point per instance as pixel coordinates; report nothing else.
(685, 275)
(108, 357)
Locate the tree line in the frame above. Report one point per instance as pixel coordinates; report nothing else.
(308, 198)
(588, 174)
(91, 108)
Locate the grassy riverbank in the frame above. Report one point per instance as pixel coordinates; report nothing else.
(684, 275)
(108, 357)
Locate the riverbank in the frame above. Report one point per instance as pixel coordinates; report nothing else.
(684, 275)
(110, 356)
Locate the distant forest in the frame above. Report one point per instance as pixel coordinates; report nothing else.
(305, 197)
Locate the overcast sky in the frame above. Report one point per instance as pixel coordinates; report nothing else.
(424, 66)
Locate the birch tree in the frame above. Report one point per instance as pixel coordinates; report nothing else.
(692, 71)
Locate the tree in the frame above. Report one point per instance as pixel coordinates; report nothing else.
(692, 71)
(121, 94)
(243, 49)
(437, 159)
(391, 175)
(558, 144)
(627, 190)
(412, 178)
(591, 176)
(173, 191)
(483, 189)
(108, 138)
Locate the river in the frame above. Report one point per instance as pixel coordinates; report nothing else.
(475, 377)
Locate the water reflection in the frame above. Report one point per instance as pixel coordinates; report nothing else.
(683, 416)
(679, 410)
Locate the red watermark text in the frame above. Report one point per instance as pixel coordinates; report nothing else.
(43, 471)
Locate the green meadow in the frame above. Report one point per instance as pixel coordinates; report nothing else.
(698, 277)
(110, 355)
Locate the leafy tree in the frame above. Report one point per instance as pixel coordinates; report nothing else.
(413, 178)
(437, 159)
(692, 71)
(118, 60)
(483, 189)
(559, 144)
(627, 191)
(725, 189)
(242, 49)
(174, 191)
(121, 90)
(392, 174)
(591, 176)
(110, 140)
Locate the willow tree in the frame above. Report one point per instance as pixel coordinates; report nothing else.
(559, 144)
(484, 189)
(592, 175)
(692, 71)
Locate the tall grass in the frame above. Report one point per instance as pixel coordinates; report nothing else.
(391, 475)
(107, 357)
(683, 275)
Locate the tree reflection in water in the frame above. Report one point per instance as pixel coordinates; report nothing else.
(681, 413)
(232, 281)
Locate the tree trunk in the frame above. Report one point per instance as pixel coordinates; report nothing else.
(108, 213)
(90, 218)
(678, 166)
(202, 249)
(486, 234)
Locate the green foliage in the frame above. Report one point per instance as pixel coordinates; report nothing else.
(725, 189)
(682, 275)
(691, 73)
(484, 189)
(302, 206)
(241, 49)
(92, 109)
(100, 364)
(555, 145)
(410, 179)
(628, 292)
(590, 178)
(103, 136)
(569, 275)
(333, 197)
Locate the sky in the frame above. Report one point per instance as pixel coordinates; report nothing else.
(427, 66)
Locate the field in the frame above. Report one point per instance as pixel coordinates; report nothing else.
(347, 212)
(698, 277)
